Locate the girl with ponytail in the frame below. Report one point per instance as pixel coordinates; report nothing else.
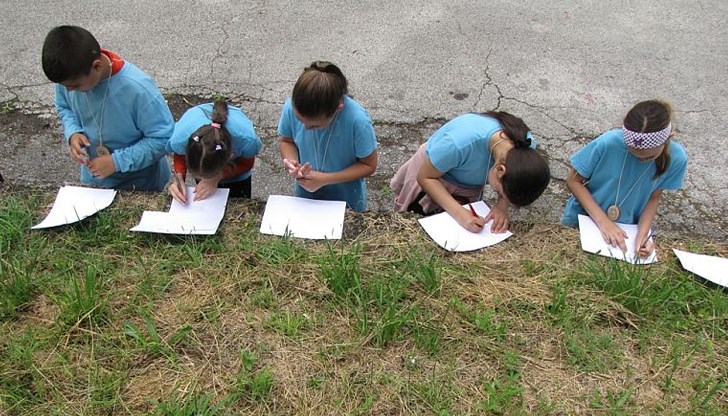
(454, 165)
(327, 143)
(217, 144)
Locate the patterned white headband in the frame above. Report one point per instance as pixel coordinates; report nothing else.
(650, 140)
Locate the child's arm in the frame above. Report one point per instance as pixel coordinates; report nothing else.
(429, 180)
(499, 215)
(611, 233)
(313, 180)
(240, 165)
(72, 130)
(289, 152)
(177, 187)
(644, 248)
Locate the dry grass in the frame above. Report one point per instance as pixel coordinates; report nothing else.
(486, 341)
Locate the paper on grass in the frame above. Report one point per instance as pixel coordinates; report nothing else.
(196, 217)
(593, 242)
(448, 234)
(303, 218)
(74, 203)
(711, 268)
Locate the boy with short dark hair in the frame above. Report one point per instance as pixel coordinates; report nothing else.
(114, 117)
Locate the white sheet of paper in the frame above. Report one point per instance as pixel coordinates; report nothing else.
(593, 242)
(711, 268)
(74, 203)
(303, 218)
(195, 217)
(448, 234)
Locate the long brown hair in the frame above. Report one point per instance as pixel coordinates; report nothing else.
(527, 171)
(208, 148)
(647, 117)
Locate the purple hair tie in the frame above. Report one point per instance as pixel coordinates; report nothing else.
(650, 140)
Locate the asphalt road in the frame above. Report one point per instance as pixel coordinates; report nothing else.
(570, 69)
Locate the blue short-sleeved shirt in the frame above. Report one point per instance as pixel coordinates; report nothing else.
(243, 141)
(601, 161)
(342, 143)
(459, 149)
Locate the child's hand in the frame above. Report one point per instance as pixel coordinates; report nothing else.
(101, 166)
(613, 235)
(178, 189)
(646, 249)
(500, 220)
(312, 180)
(472, 223)
(205, 188)
(295, 169)
(77, 142)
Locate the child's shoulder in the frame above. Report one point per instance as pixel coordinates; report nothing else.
(678, 152)
(353, 111)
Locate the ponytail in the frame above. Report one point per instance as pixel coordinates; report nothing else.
(319, 90)
(208, 149)
(527, 171)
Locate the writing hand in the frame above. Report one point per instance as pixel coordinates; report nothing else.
(177, 188)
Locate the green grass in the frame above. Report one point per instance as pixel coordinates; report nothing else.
(98, 320)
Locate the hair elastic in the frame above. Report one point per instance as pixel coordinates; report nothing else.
(218, 148)
(215, 125)
(196, 139)
(650, 140)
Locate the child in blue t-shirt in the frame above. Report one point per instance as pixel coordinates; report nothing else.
(327, 139)
(217, 144)
(620, 175)
(454, 165)
(114, 117)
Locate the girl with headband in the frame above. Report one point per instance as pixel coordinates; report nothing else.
(327, 139)
(620, 175)
(217, 144)
(454, 165)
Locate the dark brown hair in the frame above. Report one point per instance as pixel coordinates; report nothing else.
(319, 90)
(527, 172)
(68, 53)
(208, 148)
(647, 117)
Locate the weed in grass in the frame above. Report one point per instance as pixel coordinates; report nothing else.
(278, 251)
(82, 302)
(194, 404)
(151, 342)
(20, 386)
(505, 395)
(262, 298)
(426, 269)
(341, 273)
(589, 351)
(250, 385)
(489, 325)
(288, 324)
(436, 393)
(705, 390)
(16, 286)
(613, 403)
(105, 389)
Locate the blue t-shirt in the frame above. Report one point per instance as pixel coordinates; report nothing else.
(459, 149)
(243, 141)
(342, 143)
(600, 162)
(136, 124)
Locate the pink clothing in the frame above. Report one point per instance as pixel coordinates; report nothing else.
(405, 186)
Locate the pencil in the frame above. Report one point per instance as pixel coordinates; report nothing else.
(472, 210)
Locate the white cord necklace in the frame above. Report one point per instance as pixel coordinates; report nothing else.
(491, 153)
(613, 212)
(326, 149)
(101, 150)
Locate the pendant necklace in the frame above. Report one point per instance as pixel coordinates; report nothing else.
(101, 150)
(613, 212)
(326, 149)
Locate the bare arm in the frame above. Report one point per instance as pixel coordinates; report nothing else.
(313, 180)
(644, 248)
(429, 180)
(611, 233)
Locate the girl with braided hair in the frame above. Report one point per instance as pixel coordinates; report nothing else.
(217, 144)
(454, 165)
